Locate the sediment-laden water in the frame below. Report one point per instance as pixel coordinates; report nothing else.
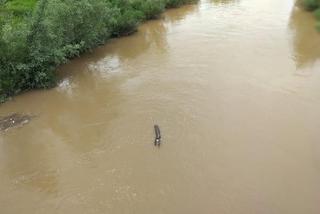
(234, 86)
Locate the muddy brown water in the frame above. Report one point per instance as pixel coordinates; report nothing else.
(235, 88)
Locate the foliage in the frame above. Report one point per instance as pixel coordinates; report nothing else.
(150, 8)
(20, 7)
(311, 4)
(177, 3)
(38, 35)
(317, 13)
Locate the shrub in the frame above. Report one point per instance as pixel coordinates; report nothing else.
(128, 14)
(125, 22)
(177, 3)
(32, 50)
(150, 8)
(317, 13)
(311, 4)
(20, 7)
(35, 39)
(13, 53)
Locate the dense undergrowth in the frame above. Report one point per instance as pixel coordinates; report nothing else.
(313, 6)
(38, 35)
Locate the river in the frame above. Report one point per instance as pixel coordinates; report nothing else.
(235, 88)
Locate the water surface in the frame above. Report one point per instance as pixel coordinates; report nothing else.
(235, 88)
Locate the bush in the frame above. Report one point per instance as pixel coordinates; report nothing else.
(150, 8)
(177, 3)
(317, 13)
(126, 22)
(33, 50)
(311, 4)
(20, 7)
(35, 39)
(13, 52)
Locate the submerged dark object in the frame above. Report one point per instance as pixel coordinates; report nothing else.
(14, 120)
(157, 140)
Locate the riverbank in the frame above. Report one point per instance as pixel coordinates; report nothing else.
(37, 36)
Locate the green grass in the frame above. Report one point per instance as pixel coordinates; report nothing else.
(18, 7)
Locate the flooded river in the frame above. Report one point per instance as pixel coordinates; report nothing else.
(235, 88)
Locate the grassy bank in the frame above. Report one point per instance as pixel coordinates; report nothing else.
(38, 35)
(313, 6)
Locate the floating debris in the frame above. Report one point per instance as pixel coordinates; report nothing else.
(157, 140)
(13, 121)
